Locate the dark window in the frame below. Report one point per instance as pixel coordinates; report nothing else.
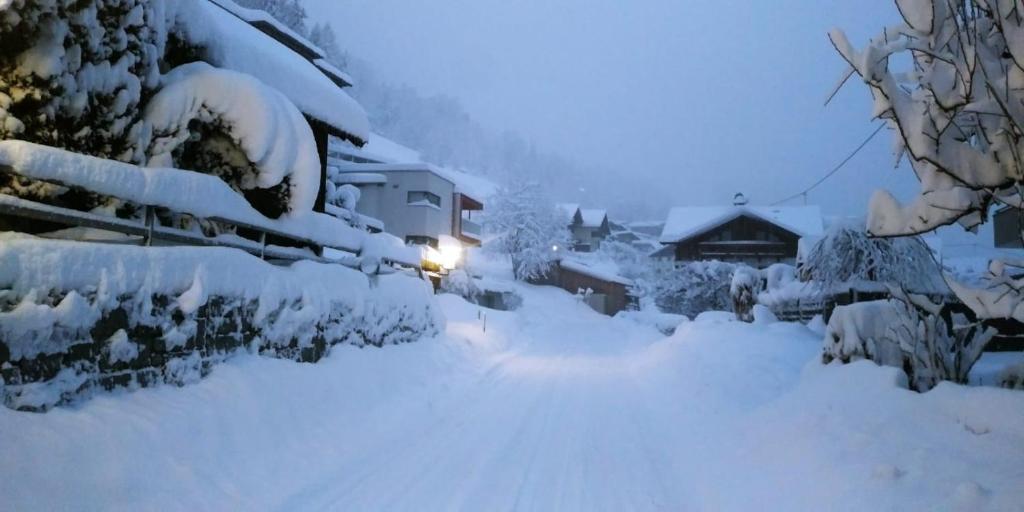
(420, 197)
(421, 240)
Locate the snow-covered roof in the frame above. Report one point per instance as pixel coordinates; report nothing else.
(233, 43)
(476, 187)
(263, 19)
(593, 218)
(597, 273)
(341, 78)
(358, 178)
(686, 222)
(378, 149)
(568, 211)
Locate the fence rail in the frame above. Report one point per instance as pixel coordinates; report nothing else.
(149, 231)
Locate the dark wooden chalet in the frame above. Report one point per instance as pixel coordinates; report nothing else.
(756, 236)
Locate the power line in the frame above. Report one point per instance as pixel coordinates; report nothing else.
(834, 169)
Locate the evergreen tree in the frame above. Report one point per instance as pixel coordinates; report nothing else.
(323, 36)
(290, 12)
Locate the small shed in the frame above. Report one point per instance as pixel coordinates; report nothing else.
(609, 293)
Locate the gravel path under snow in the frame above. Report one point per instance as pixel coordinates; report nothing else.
(552, 408)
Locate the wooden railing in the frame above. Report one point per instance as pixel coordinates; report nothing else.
(308, 244)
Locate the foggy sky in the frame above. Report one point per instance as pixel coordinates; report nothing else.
(698, 99)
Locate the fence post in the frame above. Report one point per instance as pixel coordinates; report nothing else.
(263, 244)
(150, 219)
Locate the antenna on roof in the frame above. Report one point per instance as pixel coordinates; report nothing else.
(739, 199)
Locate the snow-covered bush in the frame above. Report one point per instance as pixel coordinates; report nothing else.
(459, 282)
(694, 288)
(743, 291)
(1012, 377)
(848, 257)
(956, 107)
(233, 126)
(528, 229)
(908, 332)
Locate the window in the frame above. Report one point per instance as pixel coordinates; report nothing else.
(423, 198)
(421, 240)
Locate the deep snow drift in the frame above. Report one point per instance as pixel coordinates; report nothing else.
(553, 407)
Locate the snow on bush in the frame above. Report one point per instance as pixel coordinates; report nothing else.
(528, 229)
(743, 290)
(1012, 377)
(460, 283)
(848, 257)
(231, 125)
(956, 107)
(694, 288)
(908, 332)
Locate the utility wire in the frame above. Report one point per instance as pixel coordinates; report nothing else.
(834, 169)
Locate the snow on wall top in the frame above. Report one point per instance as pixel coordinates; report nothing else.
(686, 222)
(235, 44)
(593, 218)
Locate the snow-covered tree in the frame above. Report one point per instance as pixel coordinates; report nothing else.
(847, 256)
(528, 228)
(957, 111)
(694, 288)
(743, 290)
(323, 36)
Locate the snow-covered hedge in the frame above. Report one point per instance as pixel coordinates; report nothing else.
(76, 316)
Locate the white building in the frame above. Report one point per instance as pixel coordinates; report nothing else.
(589, 227)
(415, 201)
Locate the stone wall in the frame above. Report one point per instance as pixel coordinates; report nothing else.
(62, 344)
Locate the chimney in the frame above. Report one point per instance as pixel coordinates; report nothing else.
(739, 199)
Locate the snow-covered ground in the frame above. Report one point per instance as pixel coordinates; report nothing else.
(551, 407)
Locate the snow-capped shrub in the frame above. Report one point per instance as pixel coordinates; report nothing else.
(694, 288)
(1012, 377)
(459, 282)
(847, 256)
(908, 332)
(743, 290)
(232, 125)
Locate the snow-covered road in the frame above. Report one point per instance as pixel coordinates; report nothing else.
(552, 408)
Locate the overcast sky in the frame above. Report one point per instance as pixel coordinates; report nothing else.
(701, 98)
